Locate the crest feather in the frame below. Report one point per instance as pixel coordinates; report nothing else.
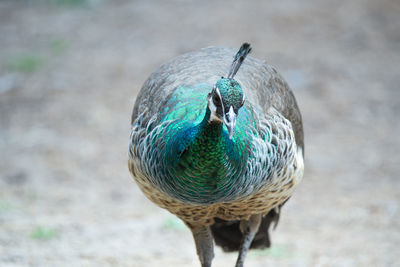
(244, 50)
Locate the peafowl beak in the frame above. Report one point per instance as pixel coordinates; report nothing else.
(230, 121)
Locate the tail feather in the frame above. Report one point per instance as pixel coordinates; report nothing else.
(227, 234)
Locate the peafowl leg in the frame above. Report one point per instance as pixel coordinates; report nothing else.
(204, 244)
(249, 229)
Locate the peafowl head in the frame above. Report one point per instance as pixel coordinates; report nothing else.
(227, 96)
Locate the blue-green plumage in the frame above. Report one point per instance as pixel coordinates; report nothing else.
(197, 162)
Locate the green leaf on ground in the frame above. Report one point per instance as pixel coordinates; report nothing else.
(174, 223)
(70, 2)
(26, 63)
(44, 233)
(59, 45)
(276, 251)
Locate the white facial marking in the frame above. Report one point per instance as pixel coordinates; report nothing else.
(230, 121)
(213, 108)
(231, 112)
(218, 92)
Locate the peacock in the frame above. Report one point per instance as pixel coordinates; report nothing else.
(221, 152)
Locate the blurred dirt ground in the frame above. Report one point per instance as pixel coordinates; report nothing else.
(69, 74)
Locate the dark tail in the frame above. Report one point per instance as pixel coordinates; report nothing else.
(227, 234)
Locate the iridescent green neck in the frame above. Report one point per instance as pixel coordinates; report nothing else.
(204, 157)
(206, 162)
